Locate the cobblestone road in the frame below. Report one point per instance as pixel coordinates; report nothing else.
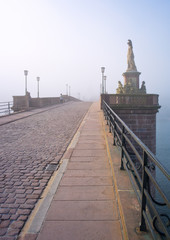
(27, 146)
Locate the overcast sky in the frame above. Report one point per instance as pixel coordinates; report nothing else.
(68, 41)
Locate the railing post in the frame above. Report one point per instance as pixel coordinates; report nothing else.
(107, 116)
(110, 123)
(144, 182)
(105, 112)
(9, 108)
(114, 132)
(122, 152)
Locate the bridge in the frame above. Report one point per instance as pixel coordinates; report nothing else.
(61, 177)
(77, 170)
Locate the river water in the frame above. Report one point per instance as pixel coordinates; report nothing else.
(163, 149)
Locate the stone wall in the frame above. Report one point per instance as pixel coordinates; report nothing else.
(21, 103)
(42, 102)
(142, 123)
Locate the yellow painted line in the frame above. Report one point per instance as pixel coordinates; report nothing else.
(125, 234)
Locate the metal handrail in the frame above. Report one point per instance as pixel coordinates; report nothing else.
(5, 108)
(140, 164)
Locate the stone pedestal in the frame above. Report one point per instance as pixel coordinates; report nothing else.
(139, 114)
(132, 78)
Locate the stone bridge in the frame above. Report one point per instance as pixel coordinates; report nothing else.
(60, 178)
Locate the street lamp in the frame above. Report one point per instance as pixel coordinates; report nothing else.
(102, 70)
(104, 80)
(25, 73)
(67, 89)
(38, 80)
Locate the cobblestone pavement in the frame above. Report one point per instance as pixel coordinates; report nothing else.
(27, 146)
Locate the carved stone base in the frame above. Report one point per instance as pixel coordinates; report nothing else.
(132, 78)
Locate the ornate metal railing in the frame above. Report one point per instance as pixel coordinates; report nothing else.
(140, 164)
(5, 108)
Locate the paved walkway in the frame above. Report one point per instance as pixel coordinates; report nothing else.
(84, 206)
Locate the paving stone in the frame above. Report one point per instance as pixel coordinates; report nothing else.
(3, 231)
(4, 210)
(86, 181)
(20, 200)
(8, 238)
(2, 200)
(81, 230)
(4, 223)
(88, 210)
(22, 217)
(14, 217)
(84, 193)
(31, 201)
(88, 165)
(23, 211)
(13, 211)
(89, 153)
(5, 217)
(88, 173)
(21, 195)
(14, 232)
(17, 224)
(29, 237)
(10, 200)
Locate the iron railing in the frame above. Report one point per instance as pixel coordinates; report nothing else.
(5, 108)
(140, 164)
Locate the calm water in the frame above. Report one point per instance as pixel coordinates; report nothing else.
(163, 150)
(163, 155)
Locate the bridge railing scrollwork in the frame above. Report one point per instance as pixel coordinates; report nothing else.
(140, 164)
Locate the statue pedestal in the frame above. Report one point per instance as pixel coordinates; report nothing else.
(138, 111)
(132, 78)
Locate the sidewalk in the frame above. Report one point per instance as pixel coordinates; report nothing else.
(84, 206)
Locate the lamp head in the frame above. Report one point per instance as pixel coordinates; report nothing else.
(25, 72)
(102, 69)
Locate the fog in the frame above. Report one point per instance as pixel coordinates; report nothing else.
(68, 41)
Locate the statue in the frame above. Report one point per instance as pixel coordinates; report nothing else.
(119, 90)
(130, 58)
(143, 88)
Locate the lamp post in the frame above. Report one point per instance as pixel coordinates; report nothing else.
(104, 80)
(67, 89)
(26, 74)
(102, 70)
(38, 80)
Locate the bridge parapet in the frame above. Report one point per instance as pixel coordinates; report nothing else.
(131, 100)
(21, 103)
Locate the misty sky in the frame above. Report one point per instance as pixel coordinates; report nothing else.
(67, 42)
